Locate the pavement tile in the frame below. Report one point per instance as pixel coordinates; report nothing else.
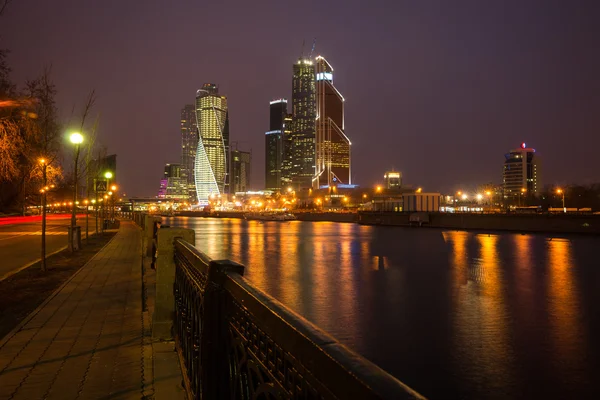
(86, 342)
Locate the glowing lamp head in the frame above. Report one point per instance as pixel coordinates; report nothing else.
(76, 138)
(108, 175)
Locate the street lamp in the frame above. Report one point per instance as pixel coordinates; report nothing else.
(76, 138)
(44, 198)
(562, 192)
(523, 190)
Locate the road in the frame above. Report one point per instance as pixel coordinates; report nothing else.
(21, 238)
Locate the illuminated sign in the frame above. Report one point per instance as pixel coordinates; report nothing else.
(278, 101)
(523, 145)
(325, 76)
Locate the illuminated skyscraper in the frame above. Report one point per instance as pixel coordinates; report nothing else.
(274, 145)
(332, 146)
(240, 170)
(286, 164)
(521, 174)
(189, 144)
(303, 124)
(212, 155)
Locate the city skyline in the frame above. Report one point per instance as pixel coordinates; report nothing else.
(459, 84)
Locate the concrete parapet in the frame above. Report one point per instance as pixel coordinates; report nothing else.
(149, 233)
(162, 320)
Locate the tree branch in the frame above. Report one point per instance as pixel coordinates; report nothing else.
(3, 6)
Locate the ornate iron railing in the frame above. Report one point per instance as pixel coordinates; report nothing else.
(236, 342)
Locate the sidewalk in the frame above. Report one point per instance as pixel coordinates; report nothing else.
(87, 340)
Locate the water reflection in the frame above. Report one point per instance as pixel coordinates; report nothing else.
(452, 314)
(567, 337)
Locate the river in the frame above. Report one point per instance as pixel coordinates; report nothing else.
(453, 314)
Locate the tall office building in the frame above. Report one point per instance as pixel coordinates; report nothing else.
(189, 144)
(303, 123)
(173, 185)
(521, 173)
(287, 162)
(332, 146)
(212, 155)
(240, 170)
(275, 145)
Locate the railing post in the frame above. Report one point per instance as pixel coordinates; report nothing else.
(164, 308)
(215, 374)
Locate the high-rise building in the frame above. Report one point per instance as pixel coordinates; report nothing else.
(275, 145)
(212, 155)
(287, 162)
(303, 124)
(393, 179)
(332, 146)
(240, 170)
(173, 185)
(189, 145)
(521, 173)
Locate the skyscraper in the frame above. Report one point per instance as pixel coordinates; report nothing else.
(212, 155)
(189, 145)
(521, 173)
(303, 123)
(274, 145)
(332, 146)
(240, 170)
(173, 185)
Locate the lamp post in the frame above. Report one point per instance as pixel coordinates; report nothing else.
(76, 138)
(44, 177)
(108, 176)
(562, 192)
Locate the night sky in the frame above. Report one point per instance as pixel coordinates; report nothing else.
(437, 89)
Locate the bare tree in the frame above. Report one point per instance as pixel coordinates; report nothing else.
(3, 5)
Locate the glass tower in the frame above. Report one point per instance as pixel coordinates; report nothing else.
(212, 155)
(332, 146)
(189, 144)
(274, 145)
(303, 124)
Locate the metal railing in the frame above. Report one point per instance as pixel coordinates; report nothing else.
(236, 342)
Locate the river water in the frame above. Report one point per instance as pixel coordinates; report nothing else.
(453, 314)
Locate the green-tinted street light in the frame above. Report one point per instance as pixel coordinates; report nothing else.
(108, 175)
(76, 138)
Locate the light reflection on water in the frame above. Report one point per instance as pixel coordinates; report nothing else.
(451, 313)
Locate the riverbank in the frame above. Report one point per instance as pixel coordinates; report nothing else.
(546, 223)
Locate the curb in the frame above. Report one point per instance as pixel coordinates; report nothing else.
(17, 328)
(16, 271)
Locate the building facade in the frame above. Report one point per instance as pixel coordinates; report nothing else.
(393, 179)
(189, 145)
(303, 129)
(240, 171)
(275, 145)
(173, 185)
(332, 146)
(521, 174)
(212, 154)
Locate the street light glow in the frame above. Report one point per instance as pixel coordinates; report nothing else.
(76, 138)
(108, 175)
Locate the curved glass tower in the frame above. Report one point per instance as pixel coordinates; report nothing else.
(332, 146)
(212, 155)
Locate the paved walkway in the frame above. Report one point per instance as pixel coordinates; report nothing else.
(86, 342)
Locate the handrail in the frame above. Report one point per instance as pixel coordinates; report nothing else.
(237, 342)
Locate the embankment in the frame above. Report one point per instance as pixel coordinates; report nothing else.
(545, 223)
